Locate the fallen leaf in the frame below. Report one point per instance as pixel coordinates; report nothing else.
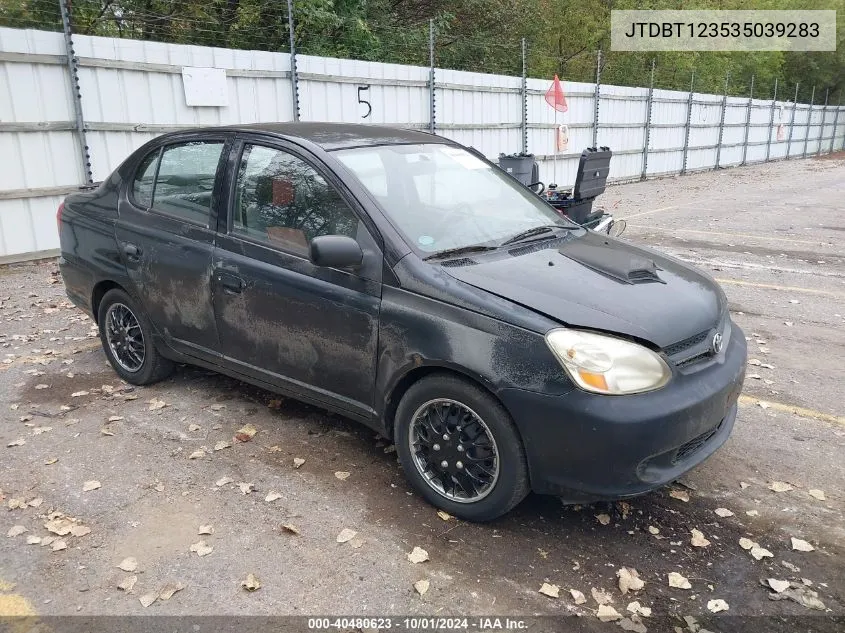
(356, 543)
(147, 599)
(16, 503)
(444, 515)
(678, 581)
(637, 609)
(245, 433)
(780, 486)
(800, 545)
(653, 530)
(606, 613)
(794, 568)
(47, 540)
(723, 512)
(763, 404)
(251, 583)
(128, 564)
(156, 404)
(159, 487)
(166, 592)
(202, 548)
(802, 595)
(107, 431)
(698, 539)
(80, 530)
(197, 454)
(115, 418)
(346, 535)
(629, 580)
(50, 461)
(552, 591)
(746, 543)
(16, 530)
(778, 586)
(223, 481)
(715, 606)
(760, 553)
(59, 525)
(633, 624)
(78, 394)
(290, 527)
(219, 446)
(272, 496)
(205, 529)
(342, 474)
(577, 596)
(33, 540)
(421, 586)
(752, 513)
(298, 462)
(417, 555)
(127, 583)
(601, 596)
(679, 494)
(217, 407)
(604, 519)
(88, 486)
(743, 485)
(58, 545)
(817, 494)
(246, 487)
(18, 442)
(193, 428)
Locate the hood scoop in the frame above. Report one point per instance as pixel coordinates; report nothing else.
(599, 255)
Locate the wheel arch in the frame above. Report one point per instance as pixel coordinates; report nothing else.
(97, 294)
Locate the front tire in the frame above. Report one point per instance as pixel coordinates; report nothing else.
(126, 335)
(459, 448)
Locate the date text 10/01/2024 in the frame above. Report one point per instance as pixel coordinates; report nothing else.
(420, 623)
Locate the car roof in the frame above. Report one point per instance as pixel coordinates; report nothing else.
(332, 136)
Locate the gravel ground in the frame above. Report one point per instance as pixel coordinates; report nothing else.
(771, 234)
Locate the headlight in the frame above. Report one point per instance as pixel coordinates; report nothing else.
(606, 364)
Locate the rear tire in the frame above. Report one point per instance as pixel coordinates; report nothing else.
(459, 448)
(127, 338)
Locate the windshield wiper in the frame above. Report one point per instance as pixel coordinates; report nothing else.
(463, 250)
(537, 230)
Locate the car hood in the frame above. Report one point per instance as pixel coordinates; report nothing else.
(597, 282)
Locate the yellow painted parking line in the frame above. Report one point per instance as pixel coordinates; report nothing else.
(754, 284)
(13, 604)
(83, 347)
(639, 215)
(768, 238)
(803, 412)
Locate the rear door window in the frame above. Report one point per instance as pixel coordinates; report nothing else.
(185, 181)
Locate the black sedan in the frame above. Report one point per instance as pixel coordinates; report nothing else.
(401, 280)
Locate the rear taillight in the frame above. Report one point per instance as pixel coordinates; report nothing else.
(59, 215)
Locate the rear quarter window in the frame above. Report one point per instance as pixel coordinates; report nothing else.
(142, 186)
(185, 180)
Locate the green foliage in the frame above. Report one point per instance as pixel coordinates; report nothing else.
(480, 35)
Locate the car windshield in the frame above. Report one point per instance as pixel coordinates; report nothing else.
(443, 197)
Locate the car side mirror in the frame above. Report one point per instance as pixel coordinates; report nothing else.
(336, 251)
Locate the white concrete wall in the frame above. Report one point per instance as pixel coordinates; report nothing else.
(133, 91)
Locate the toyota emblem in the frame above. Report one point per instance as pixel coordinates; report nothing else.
(717, 343)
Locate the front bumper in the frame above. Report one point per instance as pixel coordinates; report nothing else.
(587, 447)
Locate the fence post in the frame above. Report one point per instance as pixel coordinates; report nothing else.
(771, 121)
(835, 125)
(824, 122)
(597, 100)
(809, 120)
(648, 123)
(722, 121)
(791, 124)
(524, 91)
(748, 121)
(689, 119)
(294, 75)
(76, 93)
(431, 114)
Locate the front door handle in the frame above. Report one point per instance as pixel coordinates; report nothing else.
(230, 283)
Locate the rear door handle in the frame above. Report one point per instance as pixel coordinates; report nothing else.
(131, 250)
(230, 283)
